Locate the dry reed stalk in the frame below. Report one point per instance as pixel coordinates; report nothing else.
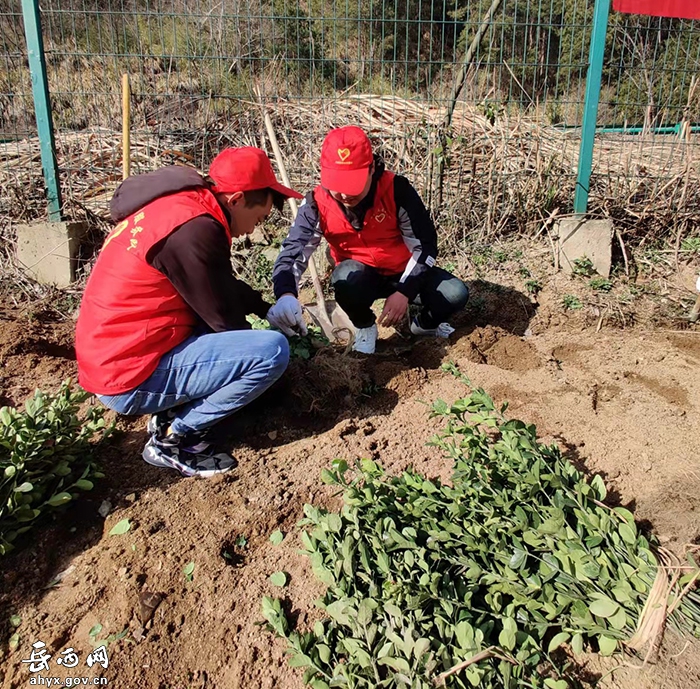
(624, 251)
(490, 652)
(652, 620)
(499, 177)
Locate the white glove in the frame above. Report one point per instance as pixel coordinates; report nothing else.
(286, 315)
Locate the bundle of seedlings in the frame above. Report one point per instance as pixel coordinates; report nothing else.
(498, 580)
(46, 457)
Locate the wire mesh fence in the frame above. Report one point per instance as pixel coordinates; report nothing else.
(512, 71)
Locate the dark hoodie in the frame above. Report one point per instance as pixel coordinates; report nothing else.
(195, 257)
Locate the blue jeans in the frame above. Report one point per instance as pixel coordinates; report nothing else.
(207, 378)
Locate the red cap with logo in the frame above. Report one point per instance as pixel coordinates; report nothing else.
(245, 169)
(346, 156)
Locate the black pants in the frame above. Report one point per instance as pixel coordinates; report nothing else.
(357, 286)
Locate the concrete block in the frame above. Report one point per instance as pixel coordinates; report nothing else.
(48, 251)
(577, 237)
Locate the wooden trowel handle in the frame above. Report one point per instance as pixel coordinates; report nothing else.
(318, 288)
(695, 312)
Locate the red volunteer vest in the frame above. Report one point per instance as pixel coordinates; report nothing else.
(131, 315)
(379, 243)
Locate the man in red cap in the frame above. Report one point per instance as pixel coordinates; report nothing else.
(381, 238)
(162, 328)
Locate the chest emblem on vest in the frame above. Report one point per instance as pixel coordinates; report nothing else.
(380, 216)
(343, 154)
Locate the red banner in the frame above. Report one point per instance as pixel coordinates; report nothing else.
(684, 9)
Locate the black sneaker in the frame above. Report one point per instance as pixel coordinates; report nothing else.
(159, 425)
(178, 452)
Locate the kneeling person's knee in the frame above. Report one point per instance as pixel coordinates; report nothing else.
(347, 273)
(278, 347)
(455, 292)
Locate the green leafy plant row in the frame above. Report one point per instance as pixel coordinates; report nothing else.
(482, 583)
(46, 457)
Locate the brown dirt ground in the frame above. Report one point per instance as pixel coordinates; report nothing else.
(624, 403)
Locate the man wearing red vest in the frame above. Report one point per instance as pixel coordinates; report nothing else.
(162, 328)
(381, 238)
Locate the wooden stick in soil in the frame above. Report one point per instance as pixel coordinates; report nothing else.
(318, 288)
(126, 127)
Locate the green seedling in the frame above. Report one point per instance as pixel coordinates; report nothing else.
(516, 557)
(571, 302)
(600, 284)
(583, 267)
(691, 245)
(95, 632)
(278, 579)
(46, 458)
(120, 528)
(300, 346)
(533, 287)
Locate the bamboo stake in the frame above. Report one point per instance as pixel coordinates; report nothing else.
(126, 127)
(318, 288)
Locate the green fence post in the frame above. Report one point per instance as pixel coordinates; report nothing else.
(590, 110)
(42, 105)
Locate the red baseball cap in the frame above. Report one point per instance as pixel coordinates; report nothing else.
(245, 169)
(346, 156)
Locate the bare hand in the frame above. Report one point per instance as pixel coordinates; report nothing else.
(394, 309)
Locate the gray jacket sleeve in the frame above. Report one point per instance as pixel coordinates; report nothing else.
(303, 238)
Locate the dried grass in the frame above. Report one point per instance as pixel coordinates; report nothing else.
(662, 601)
(508, 158)
(502, 177)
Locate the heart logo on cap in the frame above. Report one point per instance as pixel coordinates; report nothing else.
(343, 154)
